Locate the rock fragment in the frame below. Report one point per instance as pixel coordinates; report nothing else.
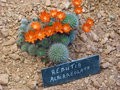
(105, 65)
(3, 1)
(47, 2)
(14, 56)
(1, 87)
(9, 42)
(4, 79)
(118, 64)
(4, 32)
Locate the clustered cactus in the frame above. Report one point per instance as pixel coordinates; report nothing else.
(48, 35)
(53, 47)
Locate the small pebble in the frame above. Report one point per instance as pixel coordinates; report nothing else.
(4, 32)
(118, 64)
(47, 2)
(105, 65)
(9, 42)
(111, 17)
(3, 1)
(1, 87)
(4, 79)
(14, 56)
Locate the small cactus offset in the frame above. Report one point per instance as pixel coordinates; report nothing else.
(55, 38)
(24, 47)
(35, 19)
(58, 53)
(71, 19)
(64, 39)
(24, 21)
(32, 49)
(41, 52)
(72, 35)
(22, 28)
(44, 43)
(20, 39)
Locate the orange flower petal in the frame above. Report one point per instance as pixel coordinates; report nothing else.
(58, 27)
(77, 2)
(86, 27)
(30, 36)
(90, 21)
(78, 10)
(35, 25)
(40, 34)
(60, 15)
(44, 16)
(66, 28)
(53, 13)
(49, 31)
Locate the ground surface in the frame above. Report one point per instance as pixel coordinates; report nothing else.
(20, 71)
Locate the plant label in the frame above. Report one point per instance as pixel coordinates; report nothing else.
(70, 71)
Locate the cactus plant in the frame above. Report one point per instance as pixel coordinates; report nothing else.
(32, 50)
(24, 46)
(44, 43)
(53, 47)
(71, 19)
(41, 52)
(72, 35)
(35, 19)
(24, 21)
(64, 39)
(20, 39)
(58, 53)
(22, 27)
(28, 27)
(55, 38)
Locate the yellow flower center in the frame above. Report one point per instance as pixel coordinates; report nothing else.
(57, 28)
(53, 14)
(45, 18)
(77, 2)
(65, 28)
(39, 34)
(30, 37)
(60, 16)
(35, 26)
(49, 31)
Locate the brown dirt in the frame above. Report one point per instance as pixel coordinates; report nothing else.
(23, 70)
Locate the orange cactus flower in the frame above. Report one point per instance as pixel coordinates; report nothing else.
(35, 25)
(90, 21)
(58, 27)
(60, 15)
(49, 31)
(53, 13)
(86, 27)
(78, 10)
(40, 34)
(30, 36)
(77, 2)
(66, 28)
(44, 16)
